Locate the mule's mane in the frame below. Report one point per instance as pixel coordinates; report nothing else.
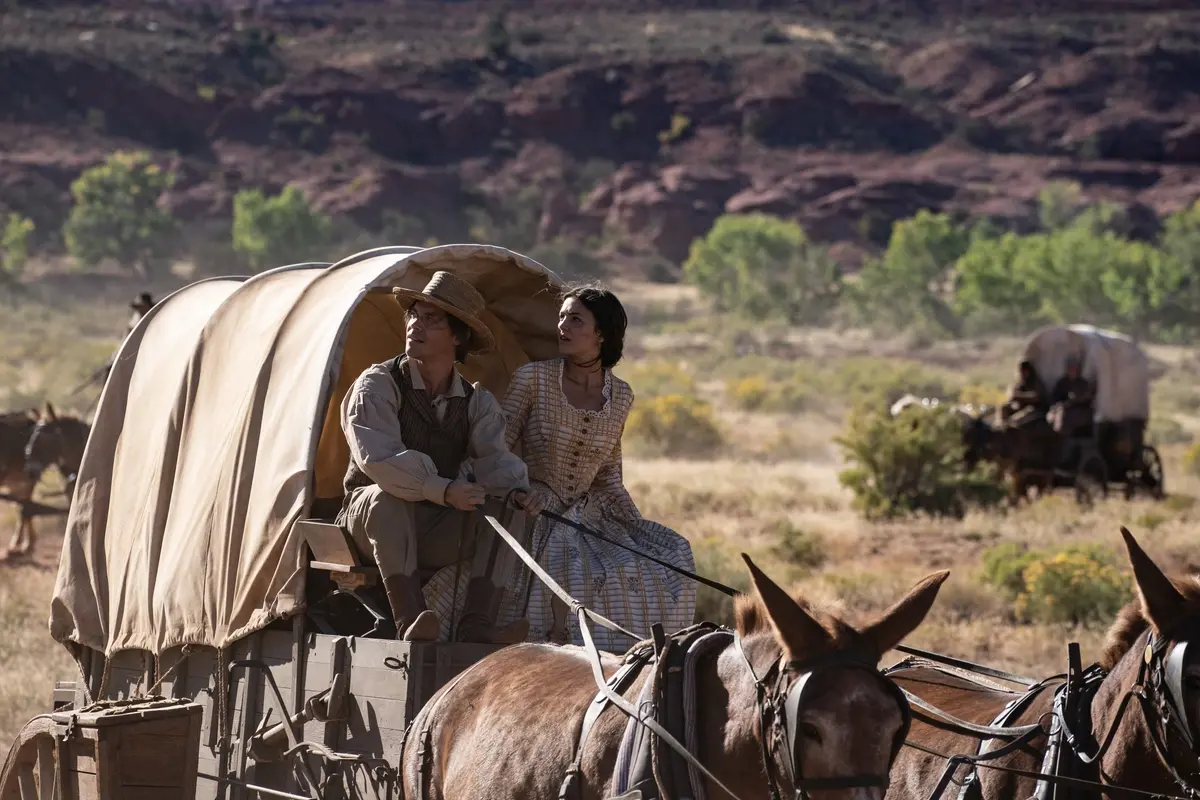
(750, 617)
(1131, 621)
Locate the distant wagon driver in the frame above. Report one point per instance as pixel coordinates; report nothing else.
(412, 423)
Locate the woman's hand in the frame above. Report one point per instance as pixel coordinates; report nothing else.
(532, 503)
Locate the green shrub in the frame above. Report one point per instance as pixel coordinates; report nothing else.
(497, 41)
(117, 215)
(714, 560)
(797, 546)
(14, 245)
(1004, 567)
(274, 231)
(909, 286)
(673, 425)
(911, 464)
(680, 125)
(763, 266)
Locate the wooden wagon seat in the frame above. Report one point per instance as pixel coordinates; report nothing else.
(334, 552)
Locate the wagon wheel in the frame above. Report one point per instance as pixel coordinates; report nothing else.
(1090, 479)
(1151, 474)
(29, 771)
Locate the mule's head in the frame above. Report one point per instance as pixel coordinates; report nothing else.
(57, 440)
(837, 723)
(977, 438)
(1169, 609)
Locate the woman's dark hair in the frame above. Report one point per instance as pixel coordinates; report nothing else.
(611, 320)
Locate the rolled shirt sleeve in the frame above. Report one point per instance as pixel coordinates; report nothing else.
(371, 423)
(496, 468)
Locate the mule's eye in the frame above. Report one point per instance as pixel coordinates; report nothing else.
(810, 732)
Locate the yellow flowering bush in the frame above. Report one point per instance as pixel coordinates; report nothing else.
(748, 393)
(1072, 586)
(673, 424)
(1080, 584)
(760, 393)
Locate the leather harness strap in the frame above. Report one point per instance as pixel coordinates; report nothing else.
(639, 657)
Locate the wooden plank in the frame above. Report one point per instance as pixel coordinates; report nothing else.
(295, 655)
(153, 793)
(382, 742)
(79, 755)
(251, 685)
(385, 683)
(152, 760)
(45, 766)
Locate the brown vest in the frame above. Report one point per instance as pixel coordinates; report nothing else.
(444, 442)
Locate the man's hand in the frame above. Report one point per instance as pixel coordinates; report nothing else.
(465, 495)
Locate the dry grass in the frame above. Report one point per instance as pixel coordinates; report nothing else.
(31, 661)
(771, 491)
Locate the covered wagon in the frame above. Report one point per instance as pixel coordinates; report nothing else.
(196, 574)
(1119, 372)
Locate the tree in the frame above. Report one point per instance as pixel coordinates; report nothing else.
(1058, 204)
(908, 285)
(764, 266)
(117, 214)
(273, 231)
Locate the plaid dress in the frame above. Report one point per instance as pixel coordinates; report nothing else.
(574, 460)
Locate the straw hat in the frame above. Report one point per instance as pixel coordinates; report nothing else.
(456, 297)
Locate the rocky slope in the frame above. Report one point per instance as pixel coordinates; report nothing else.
(630, 124)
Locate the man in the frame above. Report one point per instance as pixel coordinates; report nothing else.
(141, 305)
(1028, 393)
(1073, 398)
(412, 423)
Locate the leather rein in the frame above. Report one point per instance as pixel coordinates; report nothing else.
(777, 705)
(1159, 690)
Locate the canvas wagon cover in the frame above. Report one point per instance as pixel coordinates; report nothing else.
(218, 427)
(1113, 362)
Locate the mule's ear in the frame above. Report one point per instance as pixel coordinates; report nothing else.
(1162, 604)
(794, 627)
(905, 614)
(50, 414)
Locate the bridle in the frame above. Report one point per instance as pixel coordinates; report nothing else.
(780, 696)
(1163, 700)
(40, 429)
(1161, 694)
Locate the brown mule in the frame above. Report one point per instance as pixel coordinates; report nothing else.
(507, 727)
(1163, 608)
(15, 479)
(54, 440)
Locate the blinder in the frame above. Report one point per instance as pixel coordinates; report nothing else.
(1174, 674)
(793, 701)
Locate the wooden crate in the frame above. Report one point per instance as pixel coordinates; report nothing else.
(144, 750)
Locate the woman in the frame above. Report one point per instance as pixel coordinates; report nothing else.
(567, 415)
